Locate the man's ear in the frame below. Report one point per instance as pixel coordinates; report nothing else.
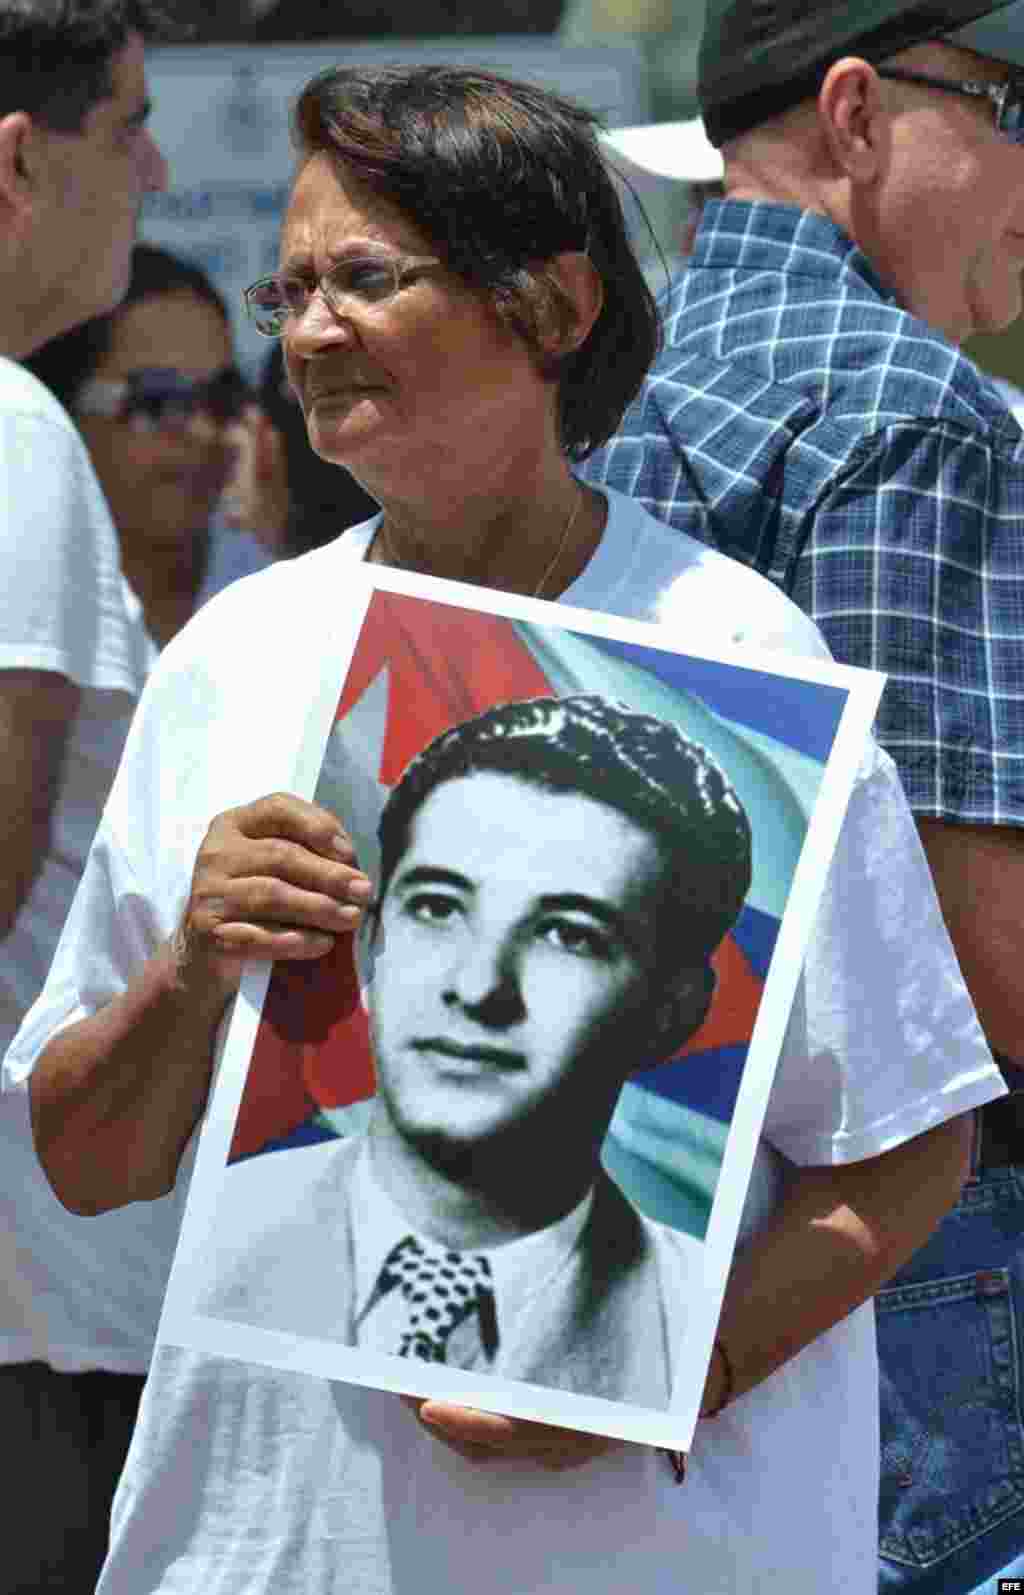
(17, 133)
(851, 118)
(576, 301)
(680, 1010)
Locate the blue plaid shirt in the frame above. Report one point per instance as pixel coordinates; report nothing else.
(799, 420)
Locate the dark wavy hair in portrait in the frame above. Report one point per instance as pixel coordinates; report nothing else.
(639, 765)
(55, 55)
(500, 177)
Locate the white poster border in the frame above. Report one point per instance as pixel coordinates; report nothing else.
(183, 1325)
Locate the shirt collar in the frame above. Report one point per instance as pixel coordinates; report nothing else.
(756, 235)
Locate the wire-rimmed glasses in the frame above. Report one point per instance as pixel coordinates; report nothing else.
(366, 281)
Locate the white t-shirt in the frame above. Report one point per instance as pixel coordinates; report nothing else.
(247, 1481)
(75, 1292)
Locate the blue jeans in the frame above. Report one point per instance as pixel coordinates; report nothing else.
(951, 1355)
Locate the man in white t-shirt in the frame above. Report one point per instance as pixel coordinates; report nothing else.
(542, 867)
(75, 161)
(259, 1482)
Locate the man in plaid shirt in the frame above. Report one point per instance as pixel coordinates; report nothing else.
(812, 416)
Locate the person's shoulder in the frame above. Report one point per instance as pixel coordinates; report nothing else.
(296, 1173)
(304, 572)
(711, 598)
(271, 1195)
(23, 397)
(232, 554)
(931, 380)
(756, 613)
(278, 1217)
(638, 1244)
(804, 315)
(615, 1213)
(274, 606)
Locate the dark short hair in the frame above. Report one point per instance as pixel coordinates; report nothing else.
(56, 55)
(67, 362)
(500, 177)
(634, 763)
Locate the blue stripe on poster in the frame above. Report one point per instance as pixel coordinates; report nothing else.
(706, 1082)
(756, 934)
(309, 1133)
(802, 714)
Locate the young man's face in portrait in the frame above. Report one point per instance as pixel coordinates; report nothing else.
(512, 960)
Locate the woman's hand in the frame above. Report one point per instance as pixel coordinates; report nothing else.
(488, 1437)
(116, 1096)
(275, 879)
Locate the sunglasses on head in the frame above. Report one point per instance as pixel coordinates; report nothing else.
(163, 397)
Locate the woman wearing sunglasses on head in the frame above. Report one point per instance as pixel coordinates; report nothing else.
(462, 319)
(157, 396)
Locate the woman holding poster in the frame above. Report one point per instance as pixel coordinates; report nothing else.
(462, 318)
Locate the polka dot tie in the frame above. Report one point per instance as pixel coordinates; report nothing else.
(442, 1289)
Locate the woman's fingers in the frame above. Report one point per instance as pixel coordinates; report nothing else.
(286, 817)
(274, 879)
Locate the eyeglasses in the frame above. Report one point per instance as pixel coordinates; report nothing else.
(365, 282)
(1008, 97)
(162, 397)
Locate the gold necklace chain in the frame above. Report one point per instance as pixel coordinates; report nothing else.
(563, 540)
(383, 534)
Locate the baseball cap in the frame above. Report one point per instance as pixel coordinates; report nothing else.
(759, 57)
(681, 150)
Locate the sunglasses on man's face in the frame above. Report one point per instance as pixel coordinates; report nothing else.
(159, 398)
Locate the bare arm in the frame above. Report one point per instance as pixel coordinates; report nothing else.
(838, 1234)
(115, 1097)
(979, 877)
(36, 711)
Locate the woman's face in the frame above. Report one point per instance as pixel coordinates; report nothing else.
(162, 481)
(428, 386)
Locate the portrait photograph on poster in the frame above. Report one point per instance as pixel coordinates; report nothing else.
(500, 1146)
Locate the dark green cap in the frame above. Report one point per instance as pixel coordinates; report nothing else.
(759, 57)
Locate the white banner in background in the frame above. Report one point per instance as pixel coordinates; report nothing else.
(221, 117)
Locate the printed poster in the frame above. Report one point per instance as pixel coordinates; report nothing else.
(499, 1147)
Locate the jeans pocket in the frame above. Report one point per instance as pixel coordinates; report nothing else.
(952, 1429)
